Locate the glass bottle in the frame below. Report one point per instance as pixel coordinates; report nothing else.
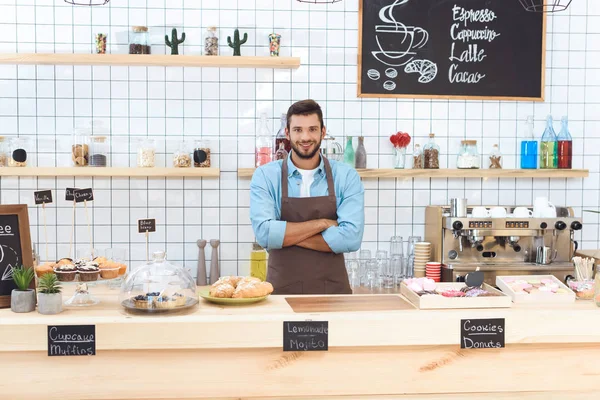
(418, 157)
(468, 156)
(361, 153)
(281, 153)
(211, 42)
(431, 154)
(349, 156)
(264, 143)
(3, 152)
(181, 157)
(281, 138)
(99, 148)
(529, 146)
(139, 41)
(258, 262)
(202, 154)
(549, 147)
(565, 145)
(146, 153)
(495, 159)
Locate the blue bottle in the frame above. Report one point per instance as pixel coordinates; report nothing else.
(529, 146)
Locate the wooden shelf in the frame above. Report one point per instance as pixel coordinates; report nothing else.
(110, 172)
(459, 173)
(149, 60)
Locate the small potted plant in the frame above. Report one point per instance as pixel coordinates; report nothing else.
(22, 299)
(400, 141)
(49, 295)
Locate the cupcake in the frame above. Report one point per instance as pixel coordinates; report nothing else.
(164, 302)
(179, 299)
(88, 272)
(45, 268)
(65, 272)
(142, 301)
(109, 270)
(122, 269)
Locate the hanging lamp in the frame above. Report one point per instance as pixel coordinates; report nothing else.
(87, 2)
(545, 5)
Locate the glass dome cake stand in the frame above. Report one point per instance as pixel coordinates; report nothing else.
(83, 296)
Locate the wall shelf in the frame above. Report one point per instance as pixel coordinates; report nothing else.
(149, 60)
(110, 172)
(459, 173)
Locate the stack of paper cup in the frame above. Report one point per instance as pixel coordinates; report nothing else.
(422, 257)
(433, 270)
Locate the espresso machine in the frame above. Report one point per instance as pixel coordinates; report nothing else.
(501, 246)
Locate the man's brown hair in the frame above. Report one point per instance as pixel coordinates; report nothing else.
(305, 107)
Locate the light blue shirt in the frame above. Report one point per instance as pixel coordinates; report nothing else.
(265, 204)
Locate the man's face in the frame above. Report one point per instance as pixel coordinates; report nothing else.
(305, 135)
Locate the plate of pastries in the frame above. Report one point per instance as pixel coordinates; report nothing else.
(237, 290)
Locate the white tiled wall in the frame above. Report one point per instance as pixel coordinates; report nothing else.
(170, 104)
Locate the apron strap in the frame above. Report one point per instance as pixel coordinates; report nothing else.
(329, 176)
(284, 179)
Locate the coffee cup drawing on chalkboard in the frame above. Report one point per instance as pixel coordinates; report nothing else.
(396, 41)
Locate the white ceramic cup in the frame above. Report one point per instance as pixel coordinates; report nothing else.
(498, 212)
(480, 212)
(548, 212)
(522, 212)
(540, 205)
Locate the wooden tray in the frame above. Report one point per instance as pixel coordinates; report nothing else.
(320, 304)
(430, 302)
(539, 297)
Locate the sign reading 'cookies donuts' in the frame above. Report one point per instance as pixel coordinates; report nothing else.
(486, 49)
(482, 333)
(305, 336)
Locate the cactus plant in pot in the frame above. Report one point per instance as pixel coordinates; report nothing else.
(49, 295)
(22, 299)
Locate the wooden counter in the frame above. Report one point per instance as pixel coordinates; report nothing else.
(236, 352)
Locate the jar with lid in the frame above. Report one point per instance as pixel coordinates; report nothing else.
(468, 157)
(211, 42)
(431, 154)
(146, 153)
(418, 157)
(139, 41)
(19, 156)
(258, 262)
(158, 286)
(181, 157)
(99, 149)
(80, 149)
(202, 154)
(3, 152)
(495, 158)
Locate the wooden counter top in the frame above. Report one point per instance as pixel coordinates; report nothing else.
(210, 326)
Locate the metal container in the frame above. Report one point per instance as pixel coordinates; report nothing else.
(458, 208)
(545, 255)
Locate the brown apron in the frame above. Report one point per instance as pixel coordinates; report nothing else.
(296, 270)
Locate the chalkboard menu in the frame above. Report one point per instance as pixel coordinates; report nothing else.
(484, 49)
(305, 336)
(71, 340)
(482, 333)
(15, 247)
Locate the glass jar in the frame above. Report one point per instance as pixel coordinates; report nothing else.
(80, 150)
(181, 157)
(139, 41)
(468, 157)
(202, 154)
(146, 154)
(431, 154)
(158, 286)
(99, 149)
(211, 42)
(495, 159)
(418, 157)
(3, 152)
(258, 262)
(264, 143)
(18, 152)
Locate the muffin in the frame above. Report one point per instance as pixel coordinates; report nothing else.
(64, 261)
(65, 272)
(122, 269)
(179, 299)
(109, 270)
(45, 268)
(88, 272)
(100, 260)
(141, 301)
(164, 302)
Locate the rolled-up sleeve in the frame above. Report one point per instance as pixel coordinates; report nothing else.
(347, 236)
(269, 231)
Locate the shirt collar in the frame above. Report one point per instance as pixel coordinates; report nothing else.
(293, 170)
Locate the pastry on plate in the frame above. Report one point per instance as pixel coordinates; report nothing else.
(65, 272)
(64, 261)
(164, 302)
(45, 268)
(88, 272)
(224, 290)
(179, 299)
(232, 280)
(141, 301)
(253, 289)
(108, 270)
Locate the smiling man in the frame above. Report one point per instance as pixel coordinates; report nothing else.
(307, 211)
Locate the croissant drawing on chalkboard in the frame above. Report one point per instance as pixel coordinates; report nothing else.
(427, 69)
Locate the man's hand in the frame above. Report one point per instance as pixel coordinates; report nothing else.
(296, 232)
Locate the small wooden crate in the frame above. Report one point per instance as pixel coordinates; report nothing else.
(431, 302)
(539, 297)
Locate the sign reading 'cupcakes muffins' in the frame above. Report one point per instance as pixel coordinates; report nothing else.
(71, 340)
(305, 336)
(485, 49)
(482, 333)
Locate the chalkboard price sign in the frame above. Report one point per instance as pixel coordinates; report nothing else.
(305, 336)
(70, 194)
(484, 49)
(482, 333)
(83, 195)
(71, 340)
(43, 197)
(146, 225)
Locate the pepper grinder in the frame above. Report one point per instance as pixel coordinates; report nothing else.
(214, 261)
(201, 273)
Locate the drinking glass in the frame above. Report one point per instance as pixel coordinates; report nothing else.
(380, 254)
(411, 244)
(363, 257)
(353, 273)
(373, 282)
(396, 267)
(387, 273)
(396, 246)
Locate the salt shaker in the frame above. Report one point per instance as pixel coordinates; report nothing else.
(201, 273)
(215, 272)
